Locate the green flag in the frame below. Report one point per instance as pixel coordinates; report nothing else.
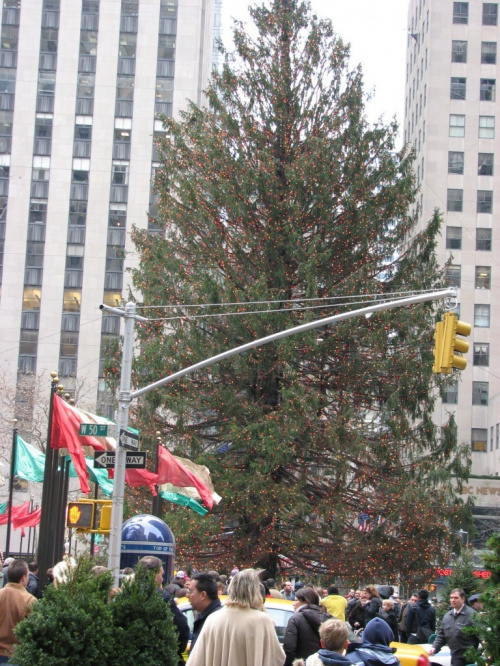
(182, 500)
(30, 462)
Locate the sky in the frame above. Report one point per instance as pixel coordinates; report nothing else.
(376, 31)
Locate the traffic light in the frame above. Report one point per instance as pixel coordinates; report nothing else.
(447, 343)
(80, 515)
(83, 516)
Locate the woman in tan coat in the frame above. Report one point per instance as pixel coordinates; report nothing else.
(241, 633)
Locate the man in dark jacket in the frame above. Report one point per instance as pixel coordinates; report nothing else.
(33, 582)
(420, 620)
(374, 650)
(204, 598)
(450, 632)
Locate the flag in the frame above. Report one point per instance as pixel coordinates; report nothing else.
(21, 517)
(66, 421)
(30, 462)
(181, 476)
(182, 500)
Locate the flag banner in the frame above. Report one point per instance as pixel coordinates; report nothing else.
(66, 421)
(30, 462)
(21, 516)
(182, 500)
(3, 508)
(181, 480)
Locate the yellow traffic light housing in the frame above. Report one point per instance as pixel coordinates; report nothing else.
(80, 515)
(83, 516)
(447, 343)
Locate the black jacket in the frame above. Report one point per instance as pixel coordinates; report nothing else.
(372, 609)
(356, 615)
(422, 614)
(392, 620)
(215, 605)
(302, 633)
(180, 622)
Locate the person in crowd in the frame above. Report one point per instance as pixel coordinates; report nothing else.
(179, 579)
(394, 597)
(355, 613)
(353, 602)
(334, 603)
(5, 570)
(15, 603)
(476, 603)
(241, 633)
(450, 631)
(49, 575)
(302, 632)
(33, 582)
(334, 641)
(391, 617)
(405, 609)
(204, 598)
(420, 620)
(287, 591)
(371, 602)
(273, 590)
(375, 649)
(154, 563)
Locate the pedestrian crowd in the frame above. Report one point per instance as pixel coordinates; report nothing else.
(239, 631)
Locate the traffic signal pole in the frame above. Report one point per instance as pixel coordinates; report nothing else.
(126, 395)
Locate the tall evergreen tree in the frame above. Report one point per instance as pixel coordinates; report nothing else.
(281, 204)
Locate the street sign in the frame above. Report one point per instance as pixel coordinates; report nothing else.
(129, 440)
(106, 459)
(93, 429)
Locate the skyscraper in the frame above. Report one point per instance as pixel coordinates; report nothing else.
(451, 120)
(82, 86)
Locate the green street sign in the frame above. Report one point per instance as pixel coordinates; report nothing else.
(93, 430)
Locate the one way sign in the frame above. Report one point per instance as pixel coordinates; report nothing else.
(106, 459)
(129, 440)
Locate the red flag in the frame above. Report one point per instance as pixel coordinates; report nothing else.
(171, 471)
(66, 422)
(25, 518)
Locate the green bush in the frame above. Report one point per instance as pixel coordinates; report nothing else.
(75, 624)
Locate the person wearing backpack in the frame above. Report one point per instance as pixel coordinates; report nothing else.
(421, 620)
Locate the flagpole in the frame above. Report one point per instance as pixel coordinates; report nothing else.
(157, 504)
(11, 486)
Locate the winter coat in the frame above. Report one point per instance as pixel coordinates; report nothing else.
(374, 650)
(302, 633)
(450, 632)
(328, 658)
(422, 614)
(356, 615)
(335, 605)
(392, 620)
(372, 609)
(237, 636)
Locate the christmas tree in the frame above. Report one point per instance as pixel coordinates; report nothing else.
(281, 204)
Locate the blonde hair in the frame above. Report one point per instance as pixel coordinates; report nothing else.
(244, 590)
(334, 634)
(389, 603)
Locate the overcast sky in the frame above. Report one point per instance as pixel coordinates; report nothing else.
(376, 30)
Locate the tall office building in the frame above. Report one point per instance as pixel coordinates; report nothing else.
(452, 120)
(82, 85)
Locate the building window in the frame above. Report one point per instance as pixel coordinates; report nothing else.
(450, 392)
(483, 239)
(479, 439)
(497, 435)
(458, 51)
(480, 393)
(484, 201)
(453, 275)
(485, 164)
(488, 53)
(491, 438)
(457, 87)
(483, 277)
(460, 12)
(455, 200)
(490, 13)
(481, 354)
(487, 88)
(457, 125)
(486, 127)
(453, 238)
(455, 162)
(482, 316)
